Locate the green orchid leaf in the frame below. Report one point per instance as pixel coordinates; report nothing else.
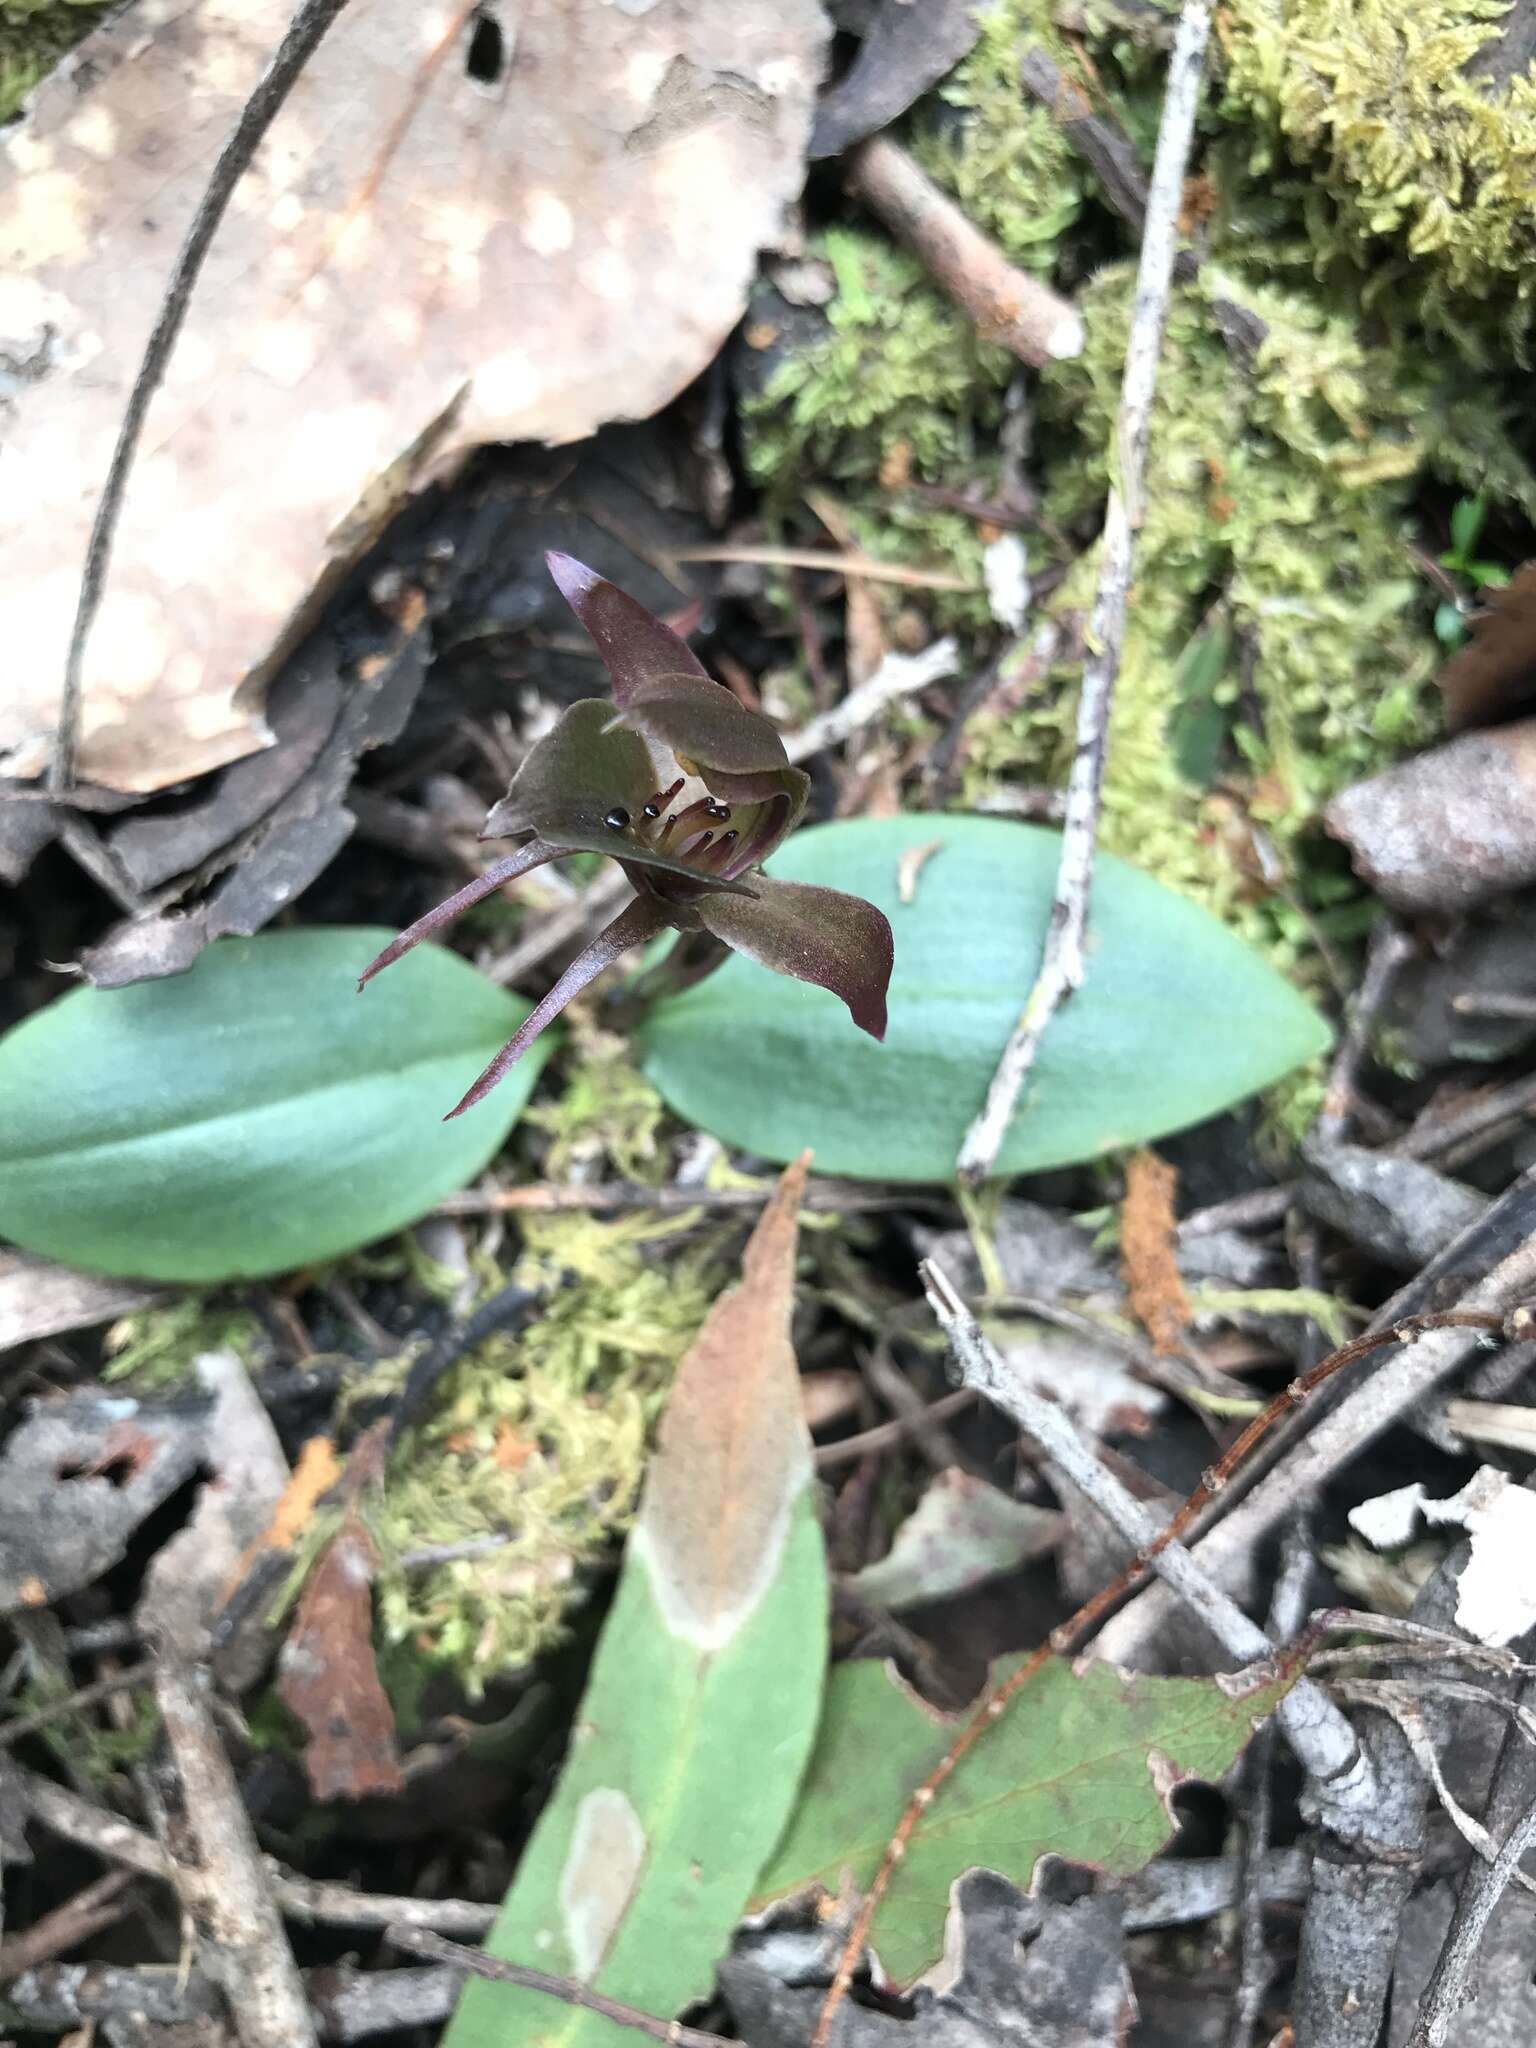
(1080, 1766)
(701, 1709)
(1177, 1019)
(635, 646)
(251, 1116)
(583, 788)
(821, 936)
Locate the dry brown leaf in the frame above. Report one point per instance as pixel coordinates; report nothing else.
(420, 260)
(328, 1678)
(1148, 1229)
(733, 1450)
(1495, 673)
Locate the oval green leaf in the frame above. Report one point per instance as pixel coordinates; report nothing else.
(1177, 1020)
(255, 1114)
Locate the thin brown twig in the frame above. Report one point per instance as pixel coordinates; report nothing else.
(1062, 964)
(416, 1941)
(92, 1910)
(1514, 1326)
(908, 574)
(607, 1196)
(303, 37)
(1363, 1411)
(1433, 1137)
(884, 1436)
(1004, 304)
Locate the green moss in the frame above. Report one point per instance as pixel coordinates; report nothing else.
(34, 35)
(157, 1347)
(541, 1439)
(607, 1113)
(997, 151)
(1403, 145)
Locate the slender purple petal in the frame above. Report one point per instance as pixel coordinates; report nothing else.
(533, 855)
(636, 647)
(838, 942)
(641, 921)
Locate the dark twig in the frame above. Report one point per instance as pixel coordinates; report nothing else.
(1442, 1137)
(1287, 1614)
(1018, 665)
(62, 1996)
(91, 1911)
(415, 1941)
(1391, 949)
(1062, 965)
(512, 1308)
(1096, 136)
(305, 32)
(11, 1732)
(926, 1429)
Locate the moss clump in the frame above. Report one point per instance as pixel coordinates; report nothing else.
(34, 35)
(607, 1111)
(999, 153)
(158, 1347)
(1412, 146)
(541, 1439)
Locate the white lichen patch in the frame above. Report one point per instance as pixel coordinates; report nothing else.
(602, 1870)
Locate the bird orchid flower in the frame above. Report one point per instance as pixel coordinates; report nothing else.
(690, 792)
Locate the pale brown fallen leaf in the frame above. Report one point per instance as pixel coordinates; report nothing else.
(733, 1453)
(327, 1676)
(420, 260)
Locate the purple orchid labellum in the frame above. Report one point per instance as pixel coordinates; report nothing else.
(690, 792)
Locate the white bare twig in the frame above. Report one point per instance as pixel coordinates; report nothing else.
(1320, 1735)
(899, 675)
(1061, 965)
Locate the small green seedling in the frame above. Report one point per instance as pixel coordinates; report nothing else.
(1460, 559)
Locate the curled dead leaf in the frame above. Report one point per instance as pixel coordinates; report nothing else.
(433, 249)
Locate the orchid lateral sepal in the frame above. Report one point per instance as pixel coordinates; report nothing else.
(641, 921)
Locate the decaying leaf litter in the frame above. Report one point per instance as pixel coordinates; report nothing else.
(455, 1513)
